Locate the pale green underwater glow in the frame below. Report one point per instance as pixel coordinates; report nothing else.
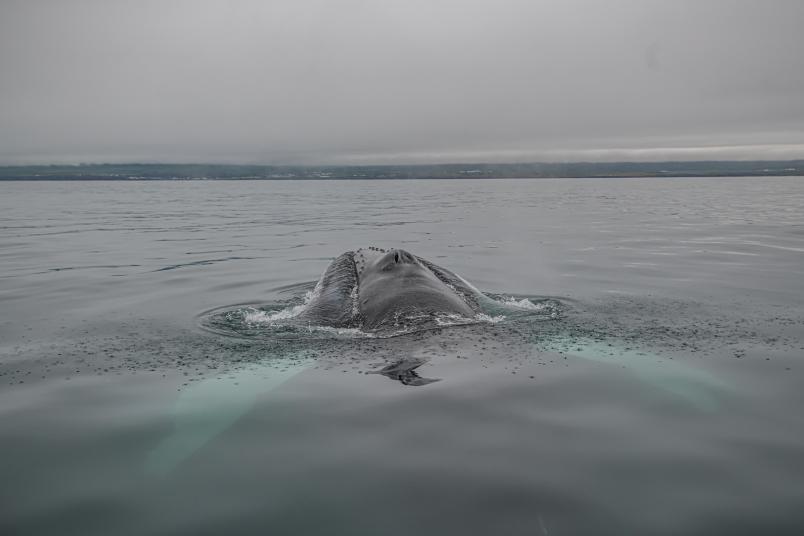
(206, 409)
(694, 385)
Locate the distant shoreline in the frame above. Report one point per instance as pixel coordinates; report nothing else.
(129, 172)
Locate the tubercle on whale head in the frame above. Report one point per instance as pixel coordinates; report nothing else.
(372, 257)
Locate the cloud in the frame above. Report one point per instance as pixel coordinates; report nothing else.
(407, 81)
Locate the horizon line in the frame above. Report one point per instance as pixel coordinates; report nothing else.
(433, 164)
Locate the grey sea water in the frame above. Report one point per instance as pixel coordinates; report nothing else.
(651, 385)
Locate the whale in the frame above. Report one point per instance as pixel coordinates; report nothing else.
(373, 289)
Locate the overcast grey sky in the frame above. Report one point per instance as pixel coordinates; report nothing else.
(351, 81)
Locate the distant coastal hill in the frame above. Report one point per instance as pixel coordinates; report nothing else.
(439, 171)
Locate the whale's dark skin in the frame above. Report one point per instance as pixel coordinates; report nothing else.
(373, 288)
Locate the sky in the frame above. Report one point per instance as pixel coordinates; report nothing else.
(400, 81)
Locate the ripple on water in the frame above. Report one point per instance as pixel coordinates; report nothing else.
(278, 319)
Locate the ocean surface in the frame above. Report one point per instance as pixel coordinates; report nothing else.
(653, 384)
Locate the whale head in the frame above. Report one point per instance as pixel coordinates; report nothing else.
(395, 282)
(373, 289)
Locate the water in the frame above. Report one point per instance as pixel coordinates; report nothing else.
(662, 394)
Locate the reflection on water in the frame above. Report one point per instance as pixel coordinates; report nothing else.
(639, 371)
(404, 371)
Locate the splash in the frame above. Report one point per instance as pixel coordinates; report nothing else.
(482, 317)
(253, 315)
(280, 320)
(525, 303)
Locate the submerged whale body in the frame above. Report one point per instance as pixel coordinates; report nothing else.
(373, 289)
